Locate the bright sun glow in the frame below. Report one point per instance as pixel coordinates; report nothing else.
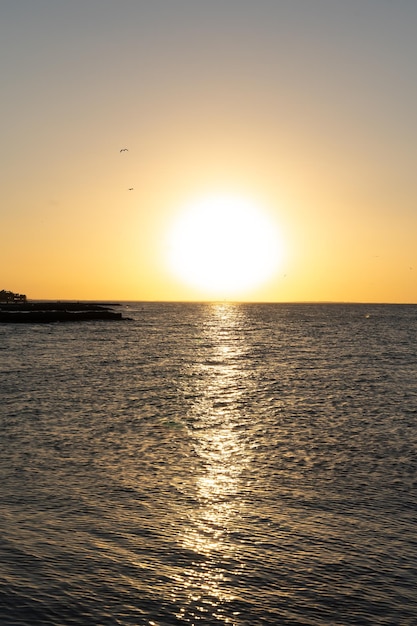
(224, 246)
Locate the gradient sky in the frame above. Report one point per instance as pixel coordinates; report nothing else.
(308, 107)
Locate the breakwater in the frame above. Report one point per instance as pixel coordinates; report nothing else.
(49, 312)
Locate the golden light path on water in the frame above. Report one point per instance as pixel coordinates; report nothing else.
(220, 444)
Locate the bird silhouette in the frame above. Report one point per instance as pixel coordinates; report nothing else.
(130, 189)
(124, 150)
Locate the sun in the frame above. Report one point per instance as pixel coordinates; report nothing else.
(223, 246)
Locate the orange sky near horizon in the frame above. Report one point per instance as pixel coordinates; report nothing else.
(305, 109)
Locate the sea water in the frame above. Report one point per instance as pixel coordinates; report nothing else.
(211, 464)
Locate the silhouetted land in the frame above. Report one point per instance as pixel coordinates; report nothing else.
(47, 312)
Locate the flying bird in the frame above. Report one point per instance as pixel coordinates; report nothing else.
(130, 189)
(124, 150)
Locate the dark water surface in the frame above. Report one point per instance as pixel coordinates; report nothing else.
(211, 464)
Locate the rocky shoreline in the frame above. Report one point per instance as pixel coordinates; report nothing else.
(49, 312)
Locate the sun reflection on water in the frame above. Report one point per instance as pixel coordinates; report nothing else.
(218, 439)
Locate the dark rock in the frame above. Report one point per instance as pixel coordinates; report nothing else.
(48, 312)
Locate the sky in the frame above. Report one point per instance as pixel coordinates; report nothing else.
(303, 109)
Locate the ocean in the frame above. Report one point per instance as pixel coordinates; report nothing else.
(211, 464)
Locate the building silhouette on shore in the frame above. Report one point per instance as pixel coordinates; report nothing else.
(9, 296)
